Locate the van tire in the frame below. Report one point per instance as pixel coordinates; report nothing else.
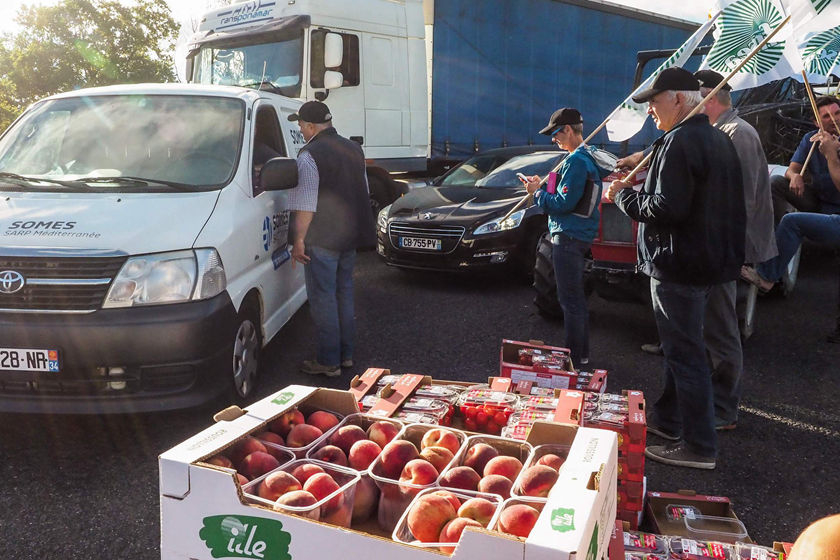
(545, 285)
(246, 353)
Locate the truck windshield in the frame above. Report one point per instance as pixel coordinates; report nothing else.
(141, 142)
(275, 66)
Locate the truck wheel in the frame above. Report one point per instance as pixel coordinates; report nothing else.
(745, 301)
(247, 347)
(791, 272)
(545, 285)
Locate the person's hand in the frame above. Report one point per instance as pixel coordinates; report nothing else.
(829, 145)
(533, 184)
(797, 185)
(299, 253)
(616, 186)
(630, 161)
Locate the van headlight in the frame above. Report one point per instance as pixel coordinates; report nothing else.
(162, 278)
(382, 219)
(497, 225)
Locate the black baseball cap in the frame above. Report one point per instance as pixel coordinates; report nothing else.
(673, 78)
(710, 79)
(561, 117)
(312, 112)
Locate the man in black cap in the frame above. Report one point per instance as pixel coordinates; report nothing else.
(691, 237)
(572, 208)
(332, 219)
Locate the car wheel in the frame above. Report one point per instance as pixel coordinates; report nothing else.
(545, 285)
(247, 349)
(745, 300)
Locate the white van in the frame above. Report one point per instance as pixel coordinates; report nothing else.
(144, 258)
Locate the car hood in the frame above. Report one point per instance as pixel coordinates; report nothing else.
(455, 205)
(131, 223)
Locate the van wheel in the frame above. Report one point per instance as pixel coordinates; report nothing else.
(545, 285)
(247, 347)
(745, 300)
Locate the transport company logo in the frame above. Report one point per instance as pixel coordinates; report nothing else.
(563, 520)
(821, 51)
(239, 536)
(743, 25)
(11, 281)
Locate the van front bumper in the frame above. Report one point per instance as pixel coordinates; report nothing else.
(139, 359)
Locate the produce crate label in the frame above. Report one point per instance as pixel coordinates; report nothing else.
(242, 536)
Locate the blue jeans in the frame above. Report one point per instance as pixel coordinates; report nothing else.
(329, 287)
(568, 256)
(820, 228)
(686, 405)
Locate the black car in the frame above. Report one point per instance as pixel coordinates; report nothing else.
(455, 225)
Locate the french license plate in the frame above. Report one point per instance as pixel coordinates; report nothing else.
(420, 243)
(28, 359)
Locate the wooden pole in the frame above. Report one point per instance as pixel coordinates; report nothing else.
(812, 100)
(807, 159)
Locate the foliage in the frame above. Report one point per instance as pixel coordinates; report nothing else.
(84, 43)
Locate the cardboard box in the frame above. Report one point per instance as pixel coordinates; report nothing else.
(658, 502)
(509, 366)
(203, 514)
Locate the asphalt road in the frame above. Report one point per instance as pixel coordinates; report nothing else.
(87, 487)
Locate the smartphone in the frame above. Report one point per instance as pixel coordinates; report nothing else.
(522, 177)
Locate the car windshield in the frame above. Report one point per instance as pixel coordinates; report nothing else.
(470, 171)
(504, 176)
(124, 142)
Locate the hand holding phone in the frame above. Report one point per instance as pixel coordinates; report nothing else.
(522, 177)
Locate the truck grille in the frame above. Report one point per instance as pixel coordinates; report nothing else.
(615, 225)
(449, 236)
(60, 284)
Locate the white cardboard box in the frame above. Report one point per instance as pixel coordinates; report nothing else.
(203, 515)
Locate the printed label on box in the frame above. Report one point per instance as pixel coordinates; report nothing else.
(242, 536)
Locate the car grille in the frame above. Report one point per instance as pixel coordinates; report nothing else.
(616, 226)
(60, 284)
(449, 236)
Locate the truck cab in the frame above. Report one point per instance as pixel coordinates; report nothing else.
(145, 257)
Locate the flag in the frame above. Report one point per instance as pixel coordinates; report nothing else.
(628, 118)
(742, 25)
(820, 53)
(809, 16)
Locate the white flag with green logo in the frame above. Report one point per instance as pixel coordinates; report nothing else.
(628, 118)
(808, 16)
(820, 53)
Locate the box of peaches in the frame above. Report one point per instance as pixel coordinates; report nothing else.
(303, 475)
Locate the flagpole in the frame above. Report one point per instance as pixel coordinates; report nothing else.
(813, 101)
(807, 159)
(712, 93)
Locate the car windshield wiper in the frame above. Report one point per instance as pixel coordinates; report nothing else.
(29, 180)
(136, 182)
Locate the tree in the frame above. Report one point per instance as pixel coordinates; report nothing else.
(84, 43)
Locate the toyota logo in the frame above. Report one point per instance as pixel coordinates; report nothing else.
(11, 282)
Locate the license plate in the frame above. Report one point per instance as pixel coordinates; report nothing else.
(420, 243)
(28, 359)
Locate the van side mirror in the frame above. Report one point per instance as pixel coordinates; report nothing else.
(279, 174)
(333, 80)
(333, 50)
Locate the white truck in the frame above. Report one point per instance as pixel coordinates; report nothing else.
(144, 259)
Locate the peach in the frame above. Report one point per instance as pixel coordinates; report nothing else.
(302, 435)
(241, 479)
(504, 465)
(257, 464)
(283, 424)
(428, 515)
(365, 500)
(244, 447)
(298, 499)
(322, 420)
(452, 498)
(518, 520)
(479, 509)
(464, 478)
(495, 484)
(220, 461)
(440, 457)
(382, 432)
(441, 437)
(276, 484)
(478, 456)
(551, 460)
(451, 532)
(271, 437)
(304, 471)
(346, 436)
(395, 456)
(537, 481)
(363, 453)
(331, 454)
(419, 472)
(322, 485)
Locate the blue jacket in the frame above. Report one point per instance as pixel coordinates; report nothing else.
(574, 171)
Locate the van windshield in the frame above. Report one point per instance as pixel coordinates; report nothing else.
(124, 142)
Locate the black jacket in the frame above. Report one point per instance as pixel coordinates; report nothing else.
(343, 219)
(691, 208)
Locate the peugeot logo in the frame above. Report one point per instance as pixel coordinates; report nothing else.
(427, 216)
(11, 282)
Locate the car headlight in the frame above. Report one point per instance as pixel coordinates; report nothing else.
(382, 219)
(173, 277)
(497, 225)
